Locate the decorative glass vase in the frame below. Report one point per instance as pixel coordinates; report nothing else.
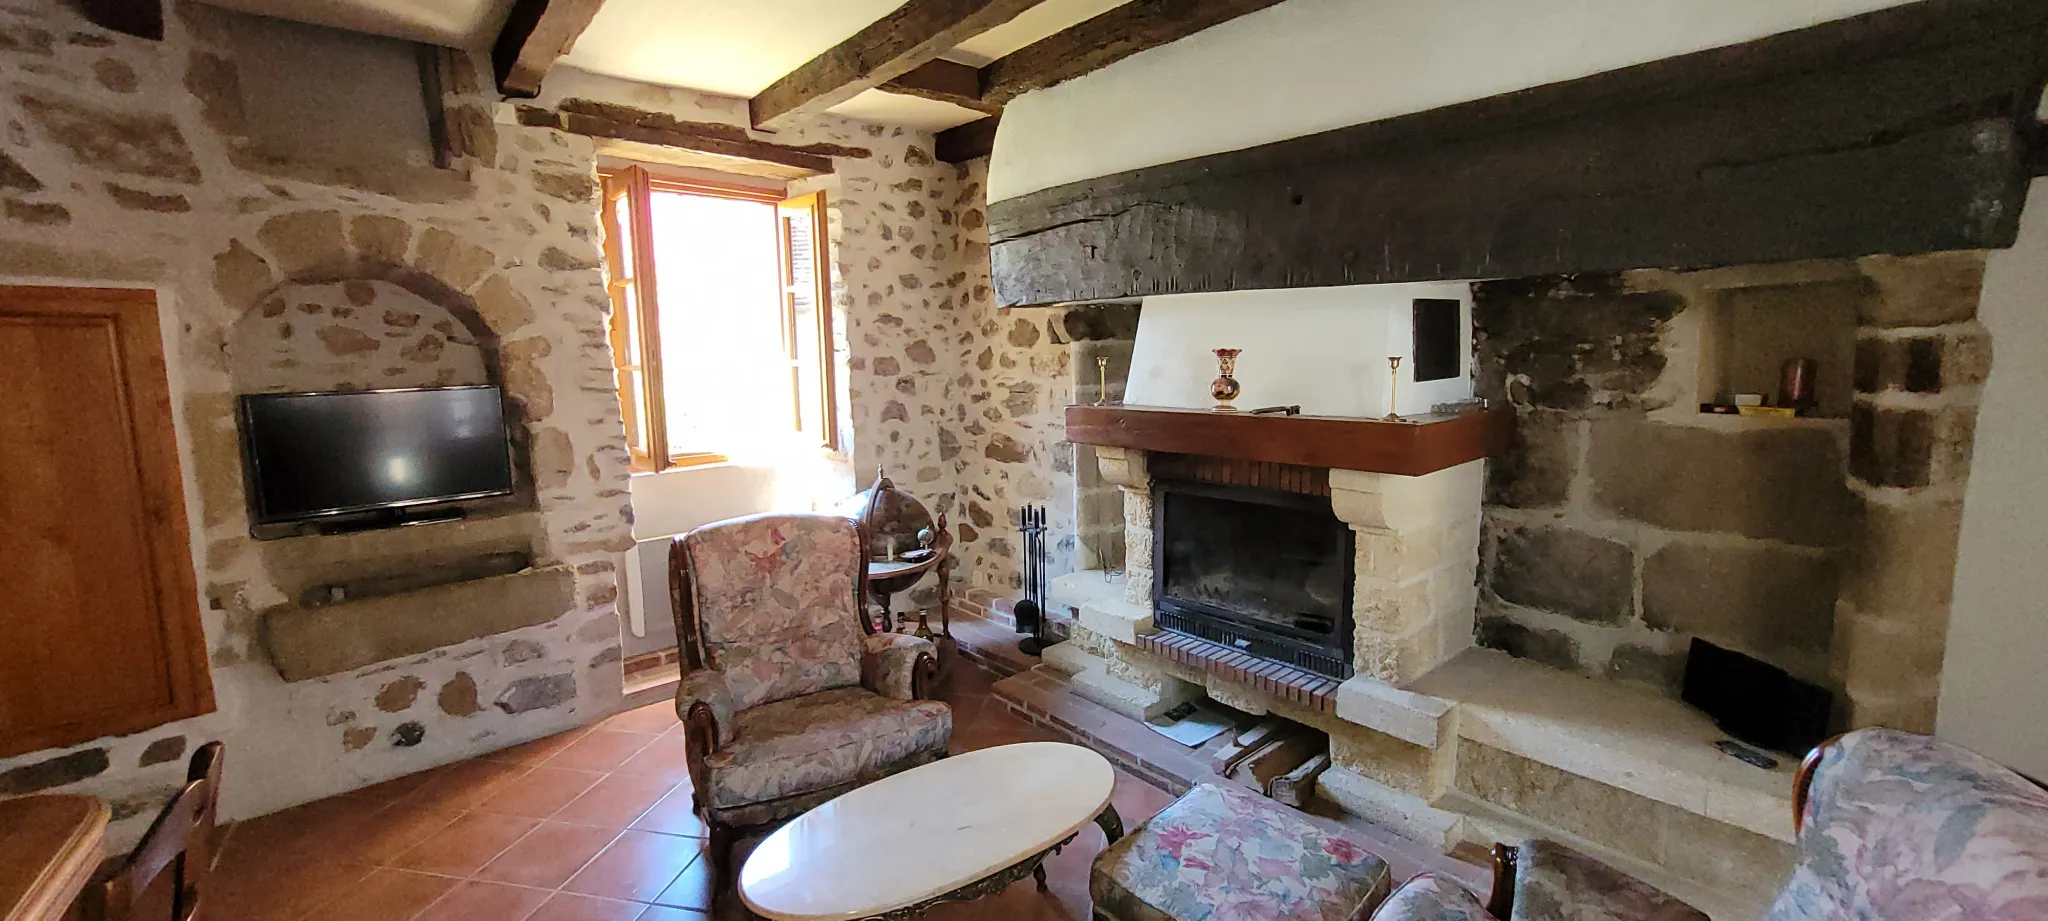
(1224, 388)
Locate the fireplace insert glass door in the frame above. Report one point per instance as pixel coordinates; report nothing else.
(1265, 571)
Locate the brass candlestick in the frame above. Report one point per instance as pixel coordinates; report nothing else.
(1102, 381)
(1393, 386)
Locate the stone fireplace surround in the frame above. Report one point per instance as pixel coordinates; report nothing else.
(1452, 743)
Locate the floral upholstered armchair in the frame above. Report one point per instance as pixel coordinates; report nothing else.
(785, 702)
(1892, 827)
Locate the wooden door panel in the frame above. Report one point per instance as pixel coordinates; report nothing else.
(99, 627)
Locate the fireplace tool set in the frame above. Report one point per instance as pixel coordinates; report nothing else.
(1030, 612)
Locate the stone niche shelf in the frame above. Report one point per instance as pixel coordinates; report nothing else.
(329, 639)
(1414, 446)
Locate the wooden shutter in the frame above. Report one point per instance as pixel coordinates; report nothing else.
(99, 612)
(807, 315)
(635, 326)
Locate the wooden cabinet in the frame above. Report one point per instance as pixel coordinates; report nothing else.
(99, 611)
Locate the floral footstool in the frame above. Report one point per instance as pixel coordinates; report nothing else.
(1221, 852)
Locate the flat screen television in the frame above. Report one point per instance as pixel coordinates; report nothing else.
(319, 455)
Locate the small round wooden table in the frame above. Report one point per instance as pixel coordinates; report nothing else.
(971, 825)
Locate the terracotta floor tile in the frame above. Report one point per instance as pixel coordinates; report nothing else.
(389, 832)
(477, 900)
(692, 889)
(387, 895)
(548, 856)
(538, 750)
(666, 758)
(1136, 800)
(286, 893)
(299, 829)
(462, 785)
(676, 814)
(390, 791)
(653, 719)
(465, 845)
(566, 906)
(615, 801)
(638, 866)
(599, 750)
(665, 913)
(539, 793)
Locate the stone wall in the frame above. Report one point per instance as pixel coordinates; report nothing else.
(353, 335)
(1624, 522)
(123, 164)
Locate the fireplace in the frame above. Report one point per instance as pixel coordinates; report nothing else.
(1265, 571)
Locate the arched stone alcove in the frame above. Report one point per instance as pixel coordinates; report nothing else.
(360, 334)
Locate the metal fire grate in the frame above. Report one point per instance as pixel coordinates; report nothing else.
(1217, 631)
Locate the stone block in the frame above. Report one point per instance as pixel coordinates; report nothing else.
(1959, 356)
(1648, 665)
(1565, 571)
(309, 642)
(1407, 504)
(1536, 644)
(1779, 482)
(305, 242)
(1117, 620)
(1906, 562)
(49, 773)
(1385, 760)
(380, 238)
(538, 692)
(1929, 289)
(1537, 470)
(1131, 700)
(1909, 712)
(1756, 598)
(1405, 813)
(1415, 718)
(1910, 447)
(1569, 342)
(1872, 653)
(1070, 658)
(453, 261)
(1399, 659)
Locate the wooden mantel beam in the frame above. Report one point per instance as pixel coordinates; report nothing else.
(912, 34)
(536, 34)
(1899, 131)
(1105, 40)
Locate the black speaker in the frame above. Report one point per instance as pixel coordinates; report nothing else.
(1755, 701)
(1436, 321)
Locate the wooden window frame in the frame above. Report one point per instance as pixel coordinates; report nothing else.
(637, 291)
(130, 316)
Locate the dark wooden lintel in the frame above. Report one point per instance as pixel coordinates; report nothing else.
(140, 18)
(943, 81)
(1104, 40)
(1904, 130)
(962, 143)
(711, 139)
(1415, 447)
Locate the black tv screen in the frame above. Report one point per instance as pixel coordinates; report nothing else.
(318, 454)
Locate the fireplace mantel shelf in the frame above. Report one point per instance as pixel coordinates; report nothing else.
(1412, 447)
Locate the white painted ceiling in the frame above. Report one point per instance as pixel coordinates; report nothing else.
(726, 47)
(455, 23)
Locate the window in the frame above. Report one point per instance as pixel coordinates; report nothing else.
(721, 329)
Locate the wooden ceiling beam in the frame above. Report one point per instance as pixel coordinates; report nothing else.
(962, 143)
(943, 81)
(913, 34)
(1105, 40)
(536, 34)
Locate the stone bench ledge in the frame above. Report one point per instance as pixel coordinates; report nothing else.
(1625, 737)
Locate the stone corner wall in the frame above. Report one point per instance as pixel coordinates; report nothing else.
(122, 164)
(1623, 523)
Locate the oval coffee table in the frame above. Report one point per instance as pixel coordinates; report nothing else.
(970, 825)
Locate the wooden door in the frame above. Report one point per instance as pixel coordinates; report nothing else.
(99, 612)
